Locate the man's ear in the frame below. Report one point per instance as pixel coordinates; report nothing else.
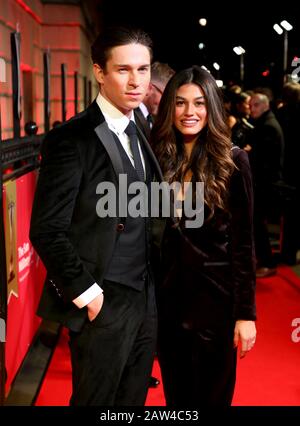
(149, 90)
(98, 73)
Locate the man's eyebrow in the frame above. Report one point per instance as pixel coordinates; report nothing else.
(130, 65)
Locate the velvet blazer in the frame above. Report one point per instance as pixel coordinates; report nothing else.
(219, 256)
(75, 244)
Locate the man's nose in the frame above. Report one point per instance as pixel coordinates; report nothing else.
(134, 80)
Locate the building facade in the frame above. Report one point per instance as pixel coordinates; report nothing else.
(65, 29)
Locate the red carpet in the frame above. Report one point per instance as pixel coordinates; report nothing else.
(269, 375)
(56, 388)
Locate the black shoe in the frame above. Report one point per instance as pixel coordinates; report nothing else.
(153, 382)
(264, 272)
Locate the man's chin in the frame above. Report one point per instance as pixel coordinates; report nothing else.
(134, 104)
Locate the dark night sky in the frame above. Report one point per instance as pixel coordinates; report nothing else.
(176, 34)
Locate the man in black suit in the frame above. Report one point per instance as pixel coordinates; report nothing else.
(99, 273)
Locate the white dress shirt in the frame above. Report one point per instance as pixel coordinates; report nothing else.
(146, 114)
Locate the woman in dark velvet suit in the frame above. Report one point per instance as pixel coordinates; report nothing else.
(206, 300)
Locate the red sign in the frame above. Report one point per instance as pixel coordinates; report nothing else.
(25, 272)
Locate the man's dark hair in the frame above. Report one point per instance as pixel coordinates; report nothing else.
(117, 36)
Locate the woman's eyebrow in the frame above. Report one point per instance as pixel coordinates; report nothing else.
(181, 97)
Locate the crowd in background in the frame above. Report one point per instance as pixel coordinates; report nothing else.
(266, 128)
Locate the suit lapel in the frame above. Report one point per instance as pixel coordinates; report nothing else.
(107, 140)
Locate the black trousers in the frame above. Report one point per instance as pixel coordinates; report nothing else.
(112, 356)
(196, 372)
(263, 247)
(195, 342)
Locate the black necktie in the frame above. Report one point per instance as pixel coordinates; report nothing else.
(150, 120)
(131, 131)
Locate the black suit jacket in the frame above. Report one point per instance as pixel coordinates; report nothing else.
(72, 241)
(217, 259)
(266, 156)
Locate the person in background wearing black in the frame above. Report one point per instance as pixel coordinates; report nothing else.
(242, 129)
(160, 75)
(266, 159)
(289, 118)
(147, 110)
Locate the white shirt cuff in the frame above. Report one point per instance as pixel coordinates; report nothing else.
(87, 296)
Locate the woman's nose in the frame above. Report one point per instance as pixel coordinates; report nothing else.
(190, 109)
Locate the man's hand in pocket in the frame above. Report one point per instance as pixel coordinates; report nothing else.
(95, 306)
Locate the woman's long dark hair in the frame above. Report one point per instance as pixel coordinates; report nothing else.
(211, 160)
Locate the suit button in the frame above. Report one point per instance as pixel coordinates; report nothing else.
(120, 227)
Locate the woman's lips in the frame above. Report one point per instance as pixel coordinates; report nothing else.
(189, 123)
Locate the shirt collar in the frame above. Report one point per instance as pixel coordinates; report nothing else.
(115, 119)
(144, 110)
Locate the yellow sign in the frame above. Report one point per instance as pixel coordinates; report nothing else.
(10, 220)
